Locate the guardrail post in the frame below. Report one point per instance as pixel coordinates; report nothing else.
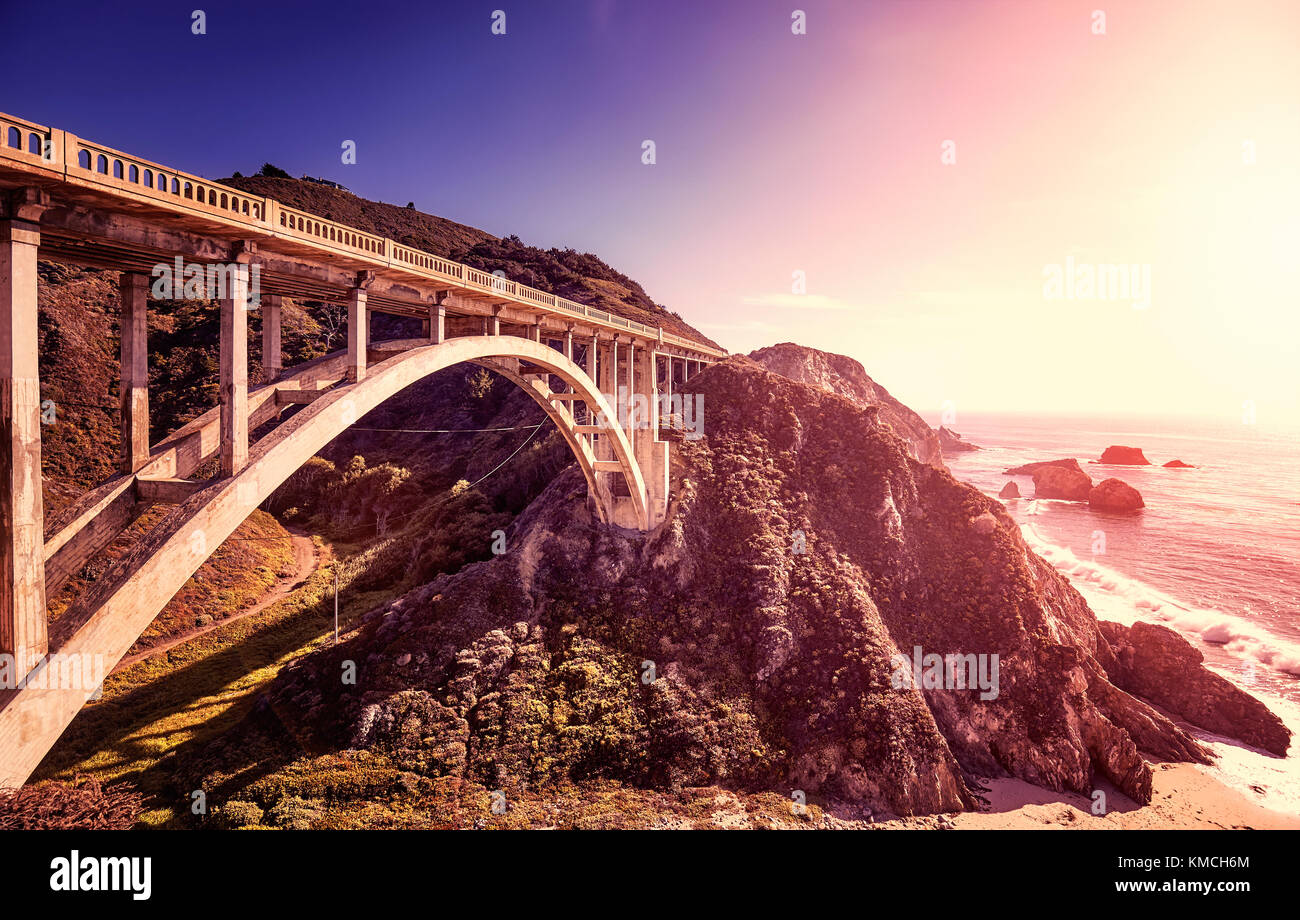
(23, 629)
(134, 290)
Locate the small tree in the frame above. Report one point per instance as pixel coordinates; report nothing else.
(273, 172)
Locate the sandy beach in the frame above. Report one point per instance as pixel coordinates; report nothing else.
(1183, 797)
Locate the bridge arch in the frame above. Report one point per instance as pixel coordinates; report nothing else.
(113, 614)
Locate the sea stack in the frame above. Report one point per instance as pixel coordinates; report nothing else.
(1124, 456)
(1115, 495)
(1029, 469)
(1060, 482)
(1010, 490)
(1179, 465)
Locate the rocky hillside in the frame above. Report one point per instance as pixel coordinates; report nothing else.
(762, 640)
(846, 377)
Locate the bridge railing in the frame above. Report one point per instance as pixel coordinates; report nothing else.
(321, 231)
(87, 163)
(30, 143)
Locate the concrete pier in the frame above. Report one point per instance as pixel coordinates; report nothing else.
(23, 630)
(134, 289)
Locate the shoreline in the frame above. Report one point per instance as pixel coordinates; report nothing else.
(1183, 797)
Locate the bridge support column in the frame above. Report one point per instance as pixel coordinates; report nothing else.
(272, 360)
(437, 323)
(606, 361)
(358, 335)
(23, 629)
(629, 411)
(234, 374)
(134, 289)
(652, 453)
(611, 375)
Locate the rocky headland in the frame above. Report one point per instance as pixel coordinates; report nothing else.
(771, 637)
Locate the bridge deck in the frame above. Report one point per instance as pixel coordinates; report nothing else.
(115, 210)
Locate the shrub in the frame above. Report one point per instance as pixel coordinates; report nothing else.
(82, 804)
(294, 814)
(273, 172)
(236, 814)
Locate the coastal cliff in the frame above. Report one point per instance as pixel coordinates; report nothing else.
(846, 377)
(755, 642)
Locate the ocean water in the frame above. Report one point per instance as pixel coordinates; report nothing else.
(1214, 555)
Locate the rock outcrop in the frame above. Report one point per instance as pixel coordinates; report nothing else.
(820, 612)
(1010, 490)
(952, 442)
(1063, 483)
(839, 374)
(1115, 495)
(1160, 666)
(1178, 465)
(1124, 456)
(1030, 469)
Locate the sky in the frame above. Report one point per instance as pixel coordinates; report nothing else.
(924, 185)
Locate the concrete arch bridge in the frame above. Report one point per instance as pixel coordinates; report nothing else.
(63, 198)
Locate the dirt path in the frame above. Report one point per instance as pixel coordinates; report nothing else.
(307, 559)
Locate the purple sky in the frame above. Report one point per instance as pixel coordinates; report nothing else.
(780, 153)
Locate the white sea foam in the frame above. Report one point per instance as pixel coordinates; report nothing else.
(1118, 597)
(1271, 781)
